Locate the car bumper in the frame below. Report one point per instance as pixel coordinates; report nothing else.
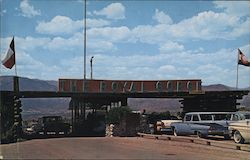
(218, 132)
(166, 130)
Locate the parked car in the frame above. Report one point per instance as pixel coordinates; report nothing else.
(164, 126)
(203, 124)
(52, 125)
(240, 115)
(240, 131)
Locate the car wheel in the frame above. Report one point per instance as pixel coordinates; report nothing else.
(175, 132)
(200, 135)
(238, 138)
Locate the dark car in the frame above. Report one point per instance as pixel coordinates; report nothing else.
(52, 125)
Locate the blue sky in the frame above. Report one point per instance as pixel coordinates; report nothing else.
(135, 40)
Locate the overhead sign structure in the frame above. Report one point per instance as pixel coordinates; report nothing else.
(128, 86)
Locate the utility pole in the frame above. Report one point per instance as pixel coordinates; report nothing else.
(85, 16)
(91, 67)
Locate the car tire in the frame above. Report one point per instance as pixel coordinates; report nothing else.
(175, 132)
(238, 138)
(200, 135)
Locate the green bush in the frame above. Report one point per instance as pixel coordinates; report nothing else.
(116, 114)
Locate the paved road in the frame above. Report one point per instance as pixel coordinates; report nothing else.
(116, 148)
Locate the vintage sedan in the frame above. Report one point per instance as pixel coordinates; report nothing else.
(200, 130)
(240, 131)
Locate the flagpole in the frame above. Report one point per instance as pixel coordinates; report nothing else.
(85, 14)
(237, 76)
(15, 70)
(15, 57)
(249, 77)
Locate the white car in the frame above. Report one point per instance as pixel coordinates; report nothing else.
(240, 131)
(164, 126)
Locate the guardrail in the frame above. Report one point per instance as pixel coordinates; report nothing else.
(235, 146)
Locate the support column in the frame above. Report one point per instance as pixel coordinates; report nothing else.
(124, 102)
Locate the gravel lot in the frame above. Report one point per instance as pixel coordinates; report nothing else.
(116, 148)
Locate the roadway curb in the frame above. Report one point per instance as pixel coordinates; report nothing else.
(242, 147)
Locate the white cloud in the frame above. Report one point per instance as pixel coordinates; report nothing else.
(65, 25)
(152, 34)
(75, 43)
(113, 34)
(207, 25)
(167, 68)
(204, 26)
(31, 43)
(28, 10)
(67, 44)
(171, 47)
(239, 8)
(59, 25)
(161, 17)
(96, 22)
(112, 11)
(101, 46)
(25, 44)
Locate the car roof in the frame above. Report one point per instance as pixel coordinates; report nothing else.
(189, 113)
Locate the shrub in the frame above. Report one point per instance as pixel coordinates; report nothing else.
(116, 114)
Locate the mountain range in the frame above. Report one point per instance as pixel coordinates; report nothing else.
(59, 106)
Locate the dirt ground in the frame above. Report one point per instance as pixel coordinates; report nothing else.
(116, 148)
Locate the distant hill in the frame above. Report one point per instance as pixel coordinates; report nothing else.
(155, 104)
(26, 84)
(59, 106)
(216, 87)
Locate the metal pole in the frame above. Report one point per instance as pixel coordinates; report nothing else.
(237, 79)
(85, 15)
(91, 67)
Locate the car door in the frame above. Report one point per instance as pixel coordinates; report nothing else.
(198, 126)
(183, 128)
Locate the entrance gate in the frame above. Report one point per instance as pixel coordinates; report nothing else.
(103, 92)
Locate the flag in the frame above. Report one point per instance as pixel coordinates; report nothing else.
(9, 61)
(243, 59)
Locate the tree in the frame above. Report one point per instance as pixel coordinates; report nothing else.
(116, 114)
